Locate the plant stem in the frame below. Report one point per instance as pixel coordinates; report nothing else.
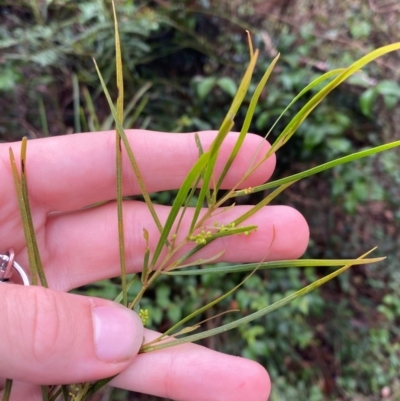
(7, 390)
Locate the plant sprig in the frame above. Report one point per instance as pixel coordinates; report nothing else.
(165, 258)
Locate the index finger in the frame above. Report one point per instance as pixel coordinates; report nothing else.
(69, 172)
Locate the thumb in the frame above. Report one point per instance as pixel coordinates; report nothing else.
(50, 337)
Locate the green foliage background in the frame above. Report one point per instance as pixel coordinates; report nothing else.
(183, 60)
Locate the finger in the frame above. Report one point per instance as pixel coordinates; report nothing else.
(82, 247)
(70, 172)
(50, 337)
(191, 372)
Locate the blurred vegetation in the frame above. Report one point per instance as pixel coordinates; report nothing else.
(183, 60)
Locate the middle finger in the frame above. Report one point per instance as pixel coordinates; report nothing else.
(82, 247)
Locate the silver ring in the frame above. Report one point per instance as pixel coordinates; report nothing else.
(7, 267)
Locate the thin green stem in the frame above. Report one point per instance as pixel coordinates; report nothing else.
(7, 390)
(45, 393)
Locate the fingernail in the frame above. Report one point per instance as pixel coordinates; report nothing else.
(116, 332)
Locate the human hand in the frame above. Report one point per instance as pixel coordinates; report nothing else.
(51, 337)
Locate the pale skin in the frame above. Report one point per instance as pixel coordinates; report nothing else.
(49, 336)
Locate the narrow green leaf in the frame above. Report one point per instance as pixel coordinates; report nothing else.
(25, 224)
(118, 152)
(250, 42)
(247, 121)
(129, 152)
(120, 76)
(304, 91)
(145, 270)
(322, 167)
(310, 86)
(224, 130)
(24, 184)
(35, 264)
(187, 184)
(189, 198)
(251, 317)
(207, 173)
(315, 100)
(279, 264)
(238, 100)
